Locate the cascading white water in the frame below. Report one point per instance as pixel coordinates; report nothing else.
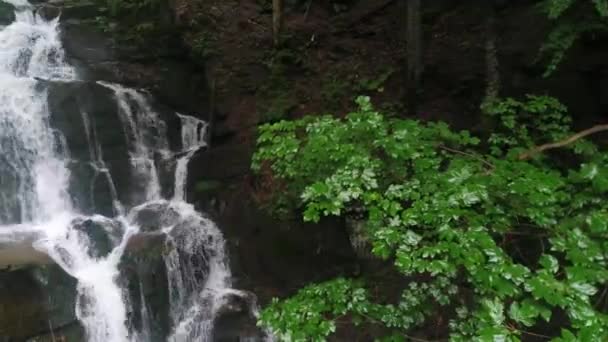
(146, 134)
(98, 164)
(35, 176)
(29, 48)
(193, 138)
(35, 198)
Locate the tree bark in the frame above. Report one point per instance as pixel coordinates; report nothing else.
(491, 51)
(277, 21)
(414, 54)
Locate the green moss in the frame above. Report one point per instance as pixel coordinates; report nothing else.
(202, 45)
(277, 98)
(375, 83)
(207, 186)
(333, 90)
(279, 108)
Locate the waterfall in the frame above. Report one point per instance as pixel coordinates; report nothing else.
(146, 134)
(193, 138)
(36, 198)
(98, 164)
(35, 176)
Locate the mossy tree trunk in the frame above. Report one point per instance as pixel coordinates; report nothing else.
(277, 21)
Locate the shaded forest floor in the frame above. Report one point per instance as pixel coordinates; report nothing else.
(328, 58)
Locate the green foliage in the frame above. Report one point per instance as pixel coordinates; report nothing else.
(333, 89)
(103, 24)
(304, 316)
(277, 96)
(573, 19)
(202, 46)
(375, 83)
(207, 186)
(131, 7)
(138, 22)
(280, 106)
(336, 87)
(522, 124)
(556, 8)
(452, 210)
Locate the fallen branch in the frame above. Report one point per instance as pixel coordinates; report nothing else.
(483, 161)
(539, 149)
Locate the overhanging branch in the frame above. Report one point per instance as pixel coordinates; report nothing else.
(539, 149)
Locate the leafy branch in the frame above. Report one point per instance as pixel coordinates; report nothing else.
(442, 219)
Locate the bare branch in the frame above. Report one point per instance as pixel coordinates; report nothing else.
(539, 149)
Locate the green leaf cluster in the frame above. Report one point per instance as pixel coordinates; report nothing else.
(456, 211)
(573, 19)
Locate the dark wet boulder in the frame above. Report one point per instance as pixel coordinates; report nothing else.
(235, 320)
(85, 44)
(100, 235)
(36, 301)
(48, 11)
(7, 13)
(144, 276)
(73, 332)
(155, 216)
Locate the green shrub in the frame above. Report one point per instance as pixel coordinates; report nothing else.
(454, 213)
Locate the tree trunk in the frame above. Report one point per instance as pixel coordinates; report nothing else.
(491, 51)
(414, 54)
(277, 21)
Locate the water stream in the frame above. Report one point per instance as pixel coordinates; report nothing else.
(36, 198)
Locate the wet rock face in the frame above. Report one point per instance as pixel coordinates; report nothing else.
(68, 102)
(20, 304)
(143, 274)
(165, 70)
(155, 216)
(89, 118)
(235, 321)
(34, 299)
(101, 237)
